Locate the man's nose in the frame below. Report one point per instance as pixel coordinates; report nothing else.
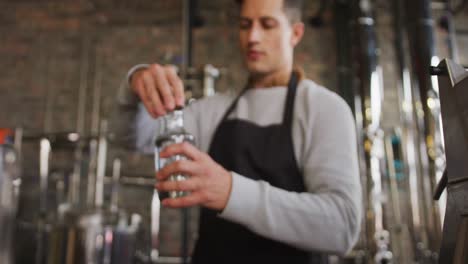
(255, 34)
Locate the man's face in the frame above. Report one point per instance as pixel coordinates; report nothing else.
(266, 36)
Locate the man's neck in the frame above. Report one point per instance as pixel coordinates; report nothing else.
(278, 78)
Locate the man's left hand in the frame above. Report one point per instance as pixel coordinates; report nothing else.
(208, 182)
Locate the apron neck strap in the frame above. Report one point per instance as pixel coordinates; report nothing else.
(234, 103)
(290, 98)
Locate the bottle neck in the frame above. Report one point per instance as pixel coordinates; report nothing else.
(174, 121)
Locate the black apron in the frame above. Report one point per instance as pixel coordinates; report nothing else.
(259, 153)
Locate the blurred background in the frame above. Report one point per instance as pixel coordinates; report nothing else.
(62, 63)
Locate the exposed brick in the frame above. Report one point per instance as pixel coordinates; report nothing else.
(42, 48)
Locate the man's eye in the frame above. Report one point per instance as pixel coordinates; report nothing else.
(269, 24)
(244, 24)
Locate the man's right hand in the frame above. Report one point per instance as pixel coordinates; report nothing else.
(159, 88)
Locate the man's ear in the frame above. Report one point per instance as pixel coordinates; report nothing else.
(297, 33)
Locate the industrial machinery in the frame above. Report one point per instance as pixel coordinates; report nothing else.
(453, 85)
(399, 165)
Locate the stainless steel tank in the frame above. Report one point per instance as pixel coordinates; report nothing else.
(100, 234)
(96, 237)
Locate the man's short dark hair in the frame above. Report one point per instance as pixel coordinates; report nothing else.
(292, 8)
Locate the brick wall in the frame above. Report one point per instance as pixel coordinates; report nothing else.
(44, 46)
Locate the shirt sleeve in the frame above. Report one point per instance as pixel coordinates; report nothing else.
(131, 125)
(327, 217)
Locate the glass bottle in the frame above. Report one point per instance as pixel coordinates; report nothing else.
(173, 133)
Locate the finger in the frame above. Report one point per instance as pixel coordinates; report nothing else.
(141, 91)
(186, 201)
(186, 167)
(156, 102)
(152, 95)
(176, 84)
(135, 81)
(189, 184)
(164, 88)
(185, 149)
(145, 99)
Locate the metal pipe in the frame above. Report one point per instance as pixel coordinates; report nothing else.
(155, 225)
(74, 186)
(83, 85)
(451, 38)
(44, 156)
(155, 214)
(95, 121)
(409, 102)
(368, 103)
(421, 39)
(91, 188)
(115, 185)
(9, 190)
(101, 165)
(137, 181)
(399, 233)
(96, 108)
(170, 260)
(210, 74)
(345, 33)
(18, 142)
(49, 97)
(343, 30)
(44, 152)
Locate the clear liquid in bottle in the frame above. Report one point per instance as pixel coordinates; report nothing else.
(173, 133)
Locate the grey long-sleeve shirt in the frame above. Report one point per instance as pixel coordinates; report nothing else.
(325, 218)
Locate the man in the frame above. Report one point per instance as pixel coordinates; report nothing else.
(275, 168)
